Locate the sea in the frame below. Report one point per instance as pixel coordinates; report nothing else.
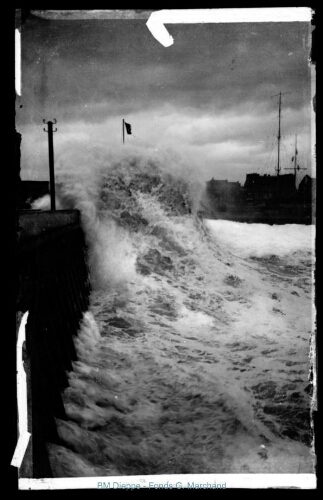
(197, 352)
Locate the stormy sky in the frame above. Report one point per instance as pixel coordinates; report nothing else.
(207, 98)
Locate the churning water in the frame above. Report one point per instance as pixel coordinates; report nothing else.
(194, 356)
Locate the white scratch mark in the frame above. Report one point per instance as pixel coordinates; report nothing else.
(18, 61)
(157, 19)
(24, 435)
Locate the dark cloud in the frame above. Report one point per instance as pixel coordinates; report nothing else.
(207, 65)
(217, 80)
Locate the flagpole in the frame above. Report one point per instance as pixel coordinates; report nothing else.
(123, 130)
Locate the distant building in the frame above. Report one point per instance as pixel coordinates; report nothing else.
(268, 187)
(307, 190)
(266, 199)
(223, 192)
(31, 190)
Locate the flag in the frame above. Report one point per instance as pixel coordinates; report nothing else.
(128, 128)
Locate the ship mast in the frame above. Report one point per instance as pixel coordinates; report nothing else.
(295, 156)
(278, 169)
(279, 135)
(296, 166)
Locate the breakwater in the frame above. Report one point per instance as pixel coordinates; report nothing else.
(53, 285)
(287, 214)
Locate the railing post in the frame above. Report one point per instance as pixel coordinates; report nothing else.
(51, 162)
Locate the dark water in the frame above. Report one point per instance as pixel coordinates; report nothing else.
(192, 358)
